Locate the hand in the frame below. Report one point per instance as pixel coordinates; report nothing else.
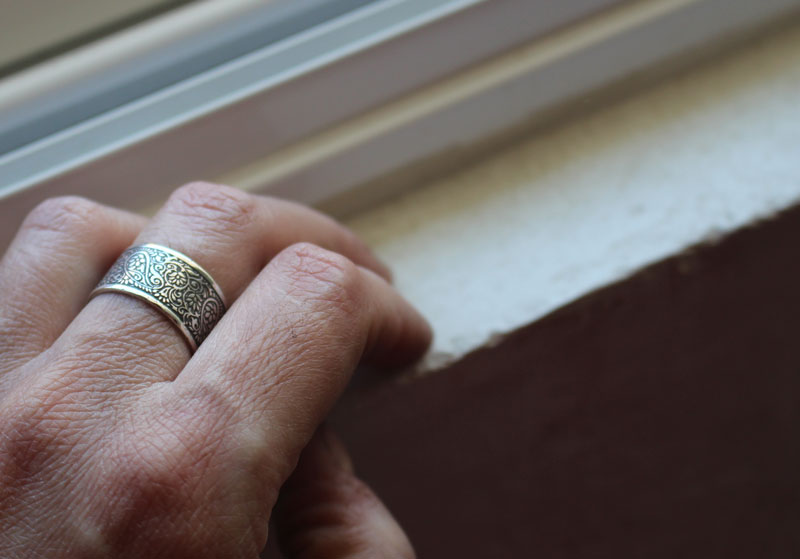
(116, 442)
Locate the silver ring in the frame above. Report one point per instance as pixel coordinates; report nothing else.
(171, 282)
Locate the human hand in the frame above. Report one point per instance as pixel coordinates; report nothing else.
(116, 441)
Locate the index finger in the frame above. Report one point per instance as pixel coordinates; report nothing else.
(284, 352)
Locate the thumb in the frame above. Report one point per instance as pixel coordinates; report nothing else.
(325, 511)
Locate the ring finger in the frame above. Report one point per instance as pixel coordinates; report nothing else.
(232, 235)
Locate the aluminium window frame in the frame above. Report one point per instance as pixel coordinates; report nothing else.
(243, 110)
(85, 82)
(311, 130)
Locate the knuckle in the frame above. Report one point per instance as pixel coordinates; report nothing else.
(208, 202)
(155, 465)
(150, 492)
(324, 276)
(63, 215)
(154, 474)
(38, 430)
(167, 469)
(169, 451)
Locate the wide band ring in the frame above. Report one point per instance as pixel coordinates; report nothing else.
(171, 282)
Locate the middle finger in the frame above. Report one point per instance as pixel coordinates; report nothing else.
(228, 232)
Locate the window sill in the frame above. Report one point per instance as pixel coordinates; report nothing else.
(575, 207)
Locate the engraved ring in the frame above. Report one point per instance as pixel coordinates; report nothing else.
(171, 282)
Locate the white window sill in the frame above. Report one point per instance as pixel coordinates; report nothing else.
(575, 207)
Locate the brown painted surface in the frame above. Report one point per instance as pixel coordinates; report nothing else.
(659, 417)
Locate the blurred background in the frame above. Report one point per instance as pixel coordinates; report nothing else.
(595, 203)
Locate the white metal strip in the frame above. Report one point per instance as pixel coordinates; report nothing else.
(243, 110)
(126, 66)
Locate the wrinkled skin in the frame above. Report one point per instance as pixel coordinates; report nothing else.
(116, 442)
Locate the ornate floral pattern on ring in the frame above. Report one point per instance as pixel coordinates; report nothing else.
(171, 281)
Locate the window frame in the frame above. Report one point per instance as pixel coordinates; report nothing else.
(311, 130)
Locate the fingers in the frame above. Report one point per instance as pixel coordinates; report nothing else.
(228, 232)
(233, 234)
(326, 511)
(61, 251)
(286, 349)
